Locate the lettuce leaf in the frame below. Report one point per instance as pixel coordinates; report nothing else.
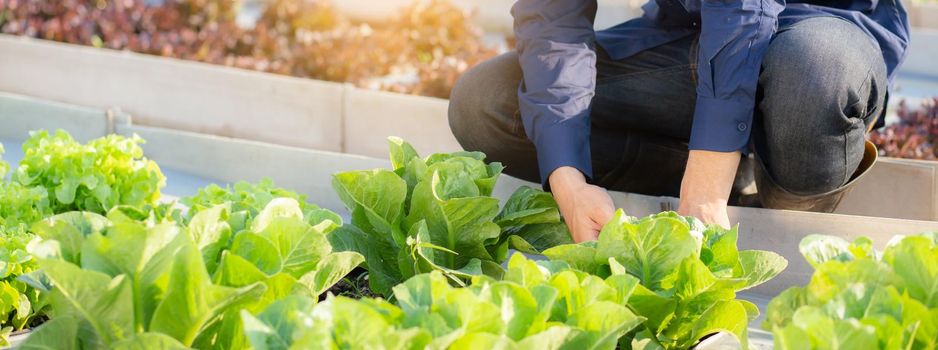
(96, 176)
(437, 214)
(280, 249)
(531, 222)
(125, 279)
(58, 175)
(542, 305)
(859, 298)
(247, 199)
(689, 275)
(130, 281)
(21, 206)
(20, 303)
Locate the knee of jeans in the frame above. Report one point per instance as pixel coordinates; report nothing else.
(808, 179)
(817, 69)
(463, 109)
(459, 104)
(475, 98)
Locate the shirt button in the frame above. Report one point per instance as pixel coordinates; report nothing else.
(742, 126)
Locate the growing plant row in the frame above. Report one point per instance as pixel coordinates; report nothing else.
(914, 136)
(94, 260)
(421, 50)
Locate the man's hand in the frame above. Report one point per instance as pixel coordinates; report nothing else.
(706, 187)
(585, 208)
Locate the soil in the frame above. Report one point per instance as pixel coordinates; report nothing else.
(354, 286)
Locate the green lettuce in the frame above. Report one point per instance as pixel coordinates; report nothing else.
(437, 214)
(531, 222)
(21, 206)
(95, 177)
(4, 166)
(689, 275)
(542, 306)
(259, 233)
(112, 281)
(859, 298)
(134, 280)
(280, 249)
(247, 199)
(20, 303)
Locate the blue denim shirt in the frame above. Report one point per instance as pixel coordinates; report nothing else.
(556, 48)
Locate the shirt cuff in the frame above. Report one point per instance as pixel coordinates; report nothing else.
(721, 125)
(560, 145)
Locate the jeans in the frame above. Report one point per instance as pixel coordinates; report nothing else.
(822, 85)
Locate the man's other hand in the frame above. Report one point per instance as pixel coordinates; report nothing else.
(706, 187)
(585, 208)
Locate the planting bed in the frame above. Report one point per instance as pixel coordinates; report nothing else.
(697, 269)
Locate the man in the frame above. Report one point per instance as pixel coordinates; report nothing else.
(669, 103)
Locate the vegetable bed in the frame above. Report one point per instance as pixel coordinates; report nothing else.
(420, 260)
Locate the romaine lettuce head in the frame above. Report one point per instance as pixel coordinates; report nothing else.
(859, 298)
(437, 214)
(689, 274)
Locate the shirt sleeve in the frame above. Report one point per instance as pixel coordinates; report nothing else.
(734, 37)
(555, 47)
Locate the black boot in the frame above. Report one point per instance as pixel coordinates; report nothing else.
(773, 196)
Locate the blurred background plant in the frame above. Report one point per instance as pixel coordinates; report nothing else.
(422, 50)
(914, 135)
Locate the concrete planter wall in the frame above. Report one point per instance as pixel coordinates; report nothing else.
(28, 113)
(178, 94)
(896, 188)
(223, 101)
(371, 116)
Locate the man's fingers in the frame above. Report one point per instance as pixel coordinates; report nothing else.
(593, 234)
(602, 217)
(603, 213)
(587, 234)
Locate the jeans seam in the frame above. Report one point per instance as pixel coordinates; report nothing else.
(694, 60)
(517, 125)
(846, 157)
(863, 117)
(866, 111)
